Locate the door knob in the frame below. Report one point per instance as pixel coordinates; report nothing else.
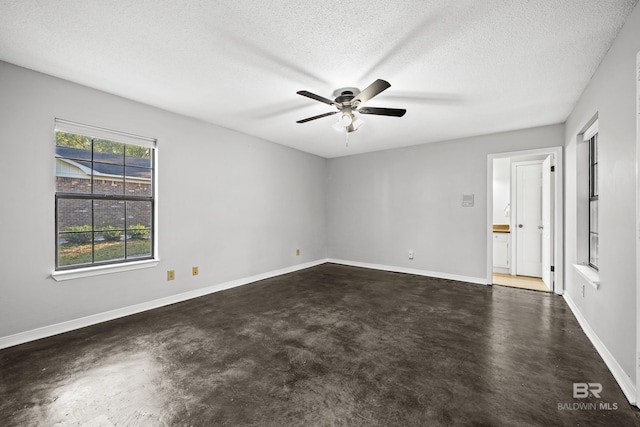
(520, 225)
(540, 227)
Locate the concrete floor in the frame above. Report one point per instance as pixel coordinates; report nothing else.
(330, 345)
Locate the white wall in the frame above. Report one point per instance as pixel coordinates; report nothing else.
(232, 204)
(383, 204)
(611, 310)
(501, 190)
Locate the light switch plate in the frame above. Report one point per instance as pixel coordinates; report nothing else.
(467, 200)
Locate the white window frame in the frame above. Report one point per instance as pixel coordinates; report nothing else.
(590, 136)
(127, 138)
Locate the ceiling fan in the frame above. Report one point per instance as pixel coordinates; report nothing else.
(350, 100)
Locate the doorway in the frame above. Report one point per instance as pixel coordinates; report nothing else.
(524, 224)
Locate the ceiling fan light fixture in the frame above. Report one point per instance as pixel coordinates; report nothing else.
(346, 119)
(348, 126)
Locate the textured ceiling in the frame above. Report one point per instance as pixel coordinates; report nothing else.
(460, 68)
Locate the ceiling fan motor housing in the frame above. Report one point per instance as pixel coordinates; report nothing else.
(343, 96)
(345, 100)
(342, 91)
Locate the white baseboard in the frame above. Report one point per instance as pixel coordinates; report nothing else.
(70, 325)
(478, 280)
(625, 383)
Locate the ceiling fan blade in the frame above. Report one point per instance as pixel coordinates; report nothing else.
(370, 91)
(395, 112)
(317, 97)
(317, 117)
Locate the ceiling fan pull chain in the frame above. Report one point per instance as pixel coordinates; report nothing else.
(346, 139)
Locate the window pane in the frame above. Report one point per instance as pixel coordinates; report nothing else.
(108, 213)
(82, 145)
(137, 156)
(593, 165)
(74, 232)
(137, 248)
(73, 213)
(139, 232)
(593, 202)
(72, 251)
(108, 151)
(106, 249)
(138, 181)
(139, 214)
(73, 163)
(593, 249)
(108, 179)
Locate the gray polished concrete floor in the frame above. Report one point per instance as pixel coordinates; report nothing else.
(330, 345)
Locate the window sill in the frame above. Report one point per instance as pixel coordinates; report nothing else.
(589, 274)
(79, 273)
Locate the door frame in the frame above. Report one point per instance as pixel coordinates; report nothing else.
(637, 402)
(558, 211)
(547, 220)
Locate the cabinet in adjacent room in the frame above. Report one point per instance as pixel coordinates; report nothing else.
(501, 252)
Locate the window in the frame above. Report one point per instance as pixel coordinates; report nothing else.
(104, 199)
(591, 137)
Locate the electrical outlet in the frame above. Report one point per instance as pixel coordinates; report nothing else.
(194, 271)
(171, 274)
(410, 254)
(297, 252)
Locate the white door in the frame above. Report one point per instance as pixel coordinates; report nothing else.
(529, 219)
(547, 224)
